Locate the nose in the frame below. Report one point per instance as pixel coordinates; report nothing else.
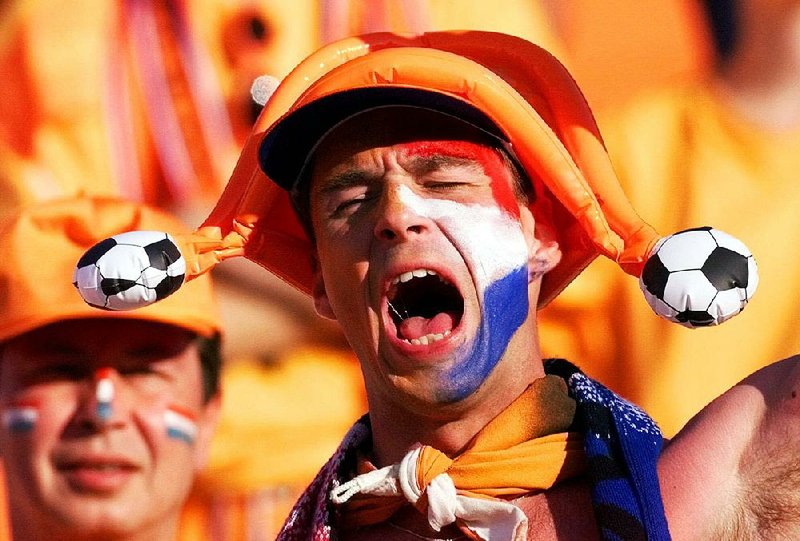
(398, 220)
(102, 406)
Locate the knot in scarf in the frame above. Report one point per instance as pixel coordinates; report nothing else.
(524, 450)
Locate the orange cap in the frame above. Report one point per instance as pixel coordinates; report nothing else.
(41, 244)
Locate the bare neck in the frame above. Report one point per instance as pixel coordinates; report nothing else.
(163, 530)
(762, 78)
(449, 428)
(395, 431)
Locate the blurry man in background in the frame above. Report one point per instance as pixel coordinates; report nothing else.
(106, 416)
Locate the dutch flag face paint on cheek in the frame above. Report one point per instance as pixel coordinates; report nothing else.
(494, 248)
(180, 424)
(20, 417)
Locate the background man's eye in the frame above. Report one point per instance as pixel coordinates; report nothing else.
(62, 372)
(138, 370)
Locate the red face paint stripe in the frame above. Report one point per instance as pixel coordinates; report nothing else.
(487, 157)
(180, 424)
(21, 404)
(103, 373)
(183, 411)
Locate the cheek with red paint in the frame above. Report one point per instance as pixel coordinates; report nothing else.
(180, 424)
(490, 160)
(169, 423)
(502, 188)
(20, 417)
(43, 416)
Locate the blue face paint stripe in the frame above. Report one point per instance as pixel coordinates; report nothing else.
(104, 411)
(180, 435)
(20, 420)
(505, 308)
(21, 426)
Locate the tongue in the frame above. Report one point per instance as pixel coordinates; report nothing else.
(418, 326)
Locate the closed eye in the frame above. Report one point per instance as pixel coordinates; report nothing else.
(63, 371)
(348, 206)
(344, 192)
(444, 186)
(147, 372)
(453, 176)
(351, 200)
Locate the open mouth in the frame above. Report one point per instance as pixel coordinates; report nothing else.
(424, 306)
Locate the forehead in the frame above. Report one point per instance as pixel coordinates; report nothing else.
(390, 126)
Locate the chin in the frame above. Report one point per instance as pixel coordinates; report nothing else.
(421, 396)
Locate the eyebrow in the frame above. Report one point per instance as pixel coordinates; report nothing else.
(419, 165)
(346, 179)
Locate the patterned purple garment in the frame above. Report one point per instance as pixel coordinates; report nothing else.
(310, 518)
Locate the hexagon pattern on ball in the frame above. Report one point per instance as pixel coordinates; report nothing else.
(130, 270)
(699, 277)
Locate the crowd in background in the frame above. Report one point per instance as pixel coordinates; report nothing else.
(150, 100)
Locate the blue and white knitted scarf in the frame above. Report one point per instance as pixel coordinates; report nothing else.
(622, 445)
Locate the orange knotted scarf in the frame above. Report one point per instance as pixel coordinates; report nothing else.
(525, 449)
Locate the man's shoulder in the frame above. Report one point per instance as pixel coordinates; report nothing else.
(770, 464)
(734, 471)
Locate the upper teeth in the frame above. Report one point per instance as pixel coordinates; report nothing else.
(416, 273)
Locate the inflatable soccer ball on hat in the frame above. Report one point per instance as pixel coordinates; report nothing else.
(130, 270)
(699, 277)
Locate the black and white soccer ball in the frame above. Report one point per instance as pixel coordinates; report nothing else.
(130, 270)
(699, 277)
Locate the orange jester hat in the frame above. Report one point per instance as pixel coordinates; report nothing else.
(507, 87)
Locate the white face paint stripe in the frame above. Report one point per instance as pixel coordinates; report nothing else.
(488, 237)
(105, 390)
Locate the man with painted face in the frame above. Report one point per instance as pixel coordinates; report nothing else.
(423, 217)
(106, 416)
(430, 193)
(429, 256)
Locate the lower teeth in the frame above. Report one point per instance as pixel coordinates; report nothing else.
(427, 339)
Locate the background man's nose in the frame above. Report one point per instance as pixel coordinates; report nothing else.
(102, 405)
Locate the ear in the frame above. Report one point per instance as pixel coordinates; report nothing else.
(320, 295)
(206, 425)
(544, 252)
